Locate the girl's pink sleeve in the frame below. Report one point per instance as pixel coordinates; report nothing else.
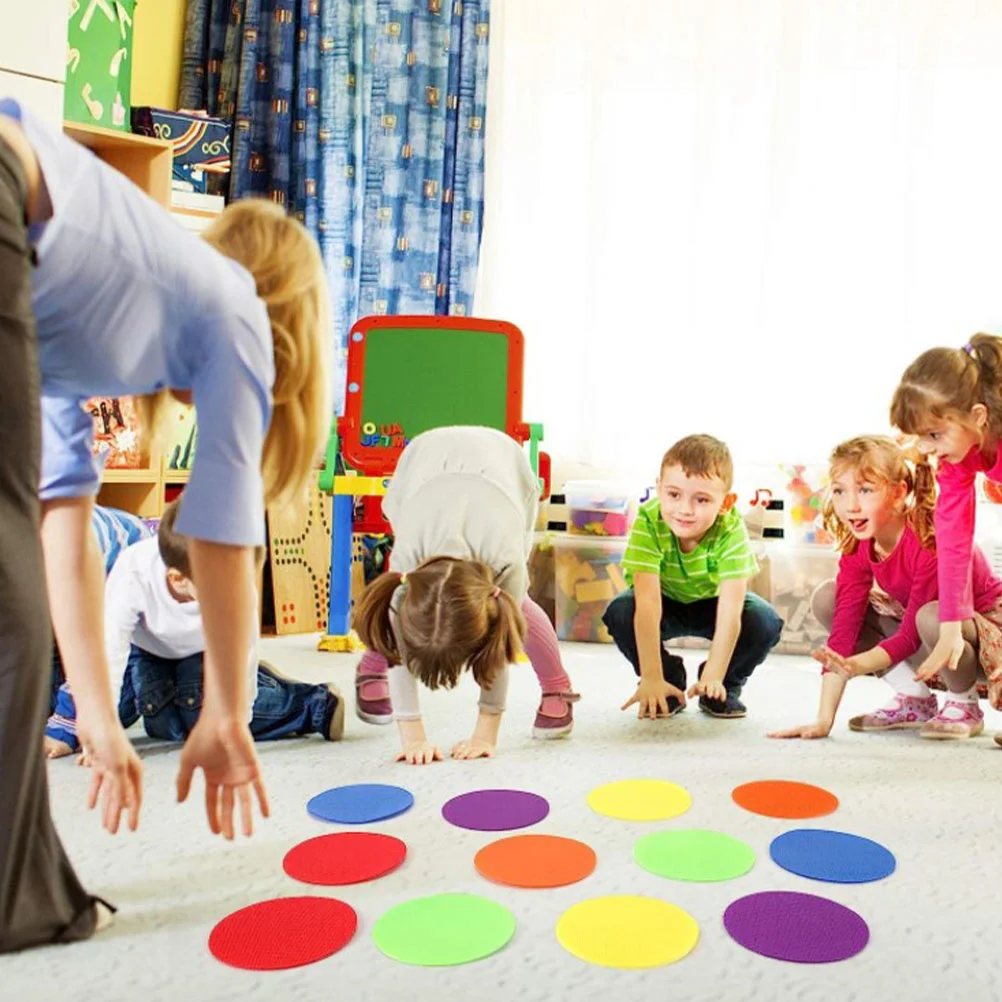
(905, 641)
(852, 595)
(955, 540)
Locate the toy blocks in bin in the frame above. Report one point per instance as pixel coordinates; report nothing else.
(599, 508)
(788, 577)
(201, 144)
(588, 577)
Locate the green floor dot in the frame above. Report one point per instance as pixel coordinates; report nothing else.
(443, 930)
(694, 854)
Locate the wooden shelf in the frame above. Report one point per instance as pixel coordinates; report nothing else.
(149, 476)
(145, 161)
(176, 476)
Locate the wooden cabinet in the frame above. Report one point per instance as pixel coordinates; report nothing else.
(147, 163)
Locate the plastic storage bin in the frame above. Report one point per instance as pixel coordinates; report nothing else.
(587, 577)
(599, 508)
(787, 578)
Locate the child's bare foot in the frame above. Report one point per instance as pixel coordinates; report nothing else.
(54, 748)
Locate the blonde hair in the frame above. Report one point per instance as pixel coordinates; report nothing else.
(288, 272)
(881, 460)
(452, 615)
(701, 456)
(946, 383)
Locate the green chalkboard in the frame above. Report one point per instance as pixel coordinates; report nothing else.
(420, 378)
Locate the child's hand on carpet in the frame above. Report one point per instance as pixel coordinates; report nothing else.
(808, 731)
(474, 748)
(420, 753)
(652, 698)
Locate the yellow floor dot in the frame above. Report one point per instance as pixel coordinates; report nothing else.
(640, 800)
(627, 931)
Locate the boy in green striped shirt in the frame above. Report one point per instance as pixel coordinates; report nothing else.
(688, 561)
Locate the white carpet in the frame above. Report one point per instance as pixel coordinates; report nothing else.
(935, 926)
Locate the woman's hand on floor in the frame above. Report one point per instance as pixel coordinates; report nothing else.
(117, 774)
(224, 750)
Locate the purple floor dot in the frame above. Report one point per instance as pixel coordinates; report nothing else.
(495, 810)
(802, 928)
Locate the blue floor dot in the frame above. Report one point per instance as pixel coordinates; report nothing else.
(836, 857)
(360, 804)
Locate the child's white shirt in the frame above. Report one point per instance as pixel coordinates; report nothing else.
(140, 609)
(464, 492)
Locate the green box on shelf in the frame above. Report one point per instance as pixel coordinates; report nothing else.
(99, 63)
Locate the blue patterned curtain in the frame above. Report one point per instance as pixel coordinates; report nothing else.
(366, 118)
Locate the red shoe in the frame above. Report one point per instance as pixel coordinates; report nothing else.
(547, 725)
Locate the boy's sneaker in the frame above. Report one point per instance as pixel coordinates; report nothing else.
(904, 712)
(555, 716)
(372, 696)
(674, 706)
(998, 738)
(726, 709)
(957, 720)
(333, 729)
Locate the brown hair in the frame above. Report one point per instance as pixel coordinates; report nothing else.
(288, 271)
(946, 383)
(173, 546)
(451, 615)
(701, 456)
(881, 460)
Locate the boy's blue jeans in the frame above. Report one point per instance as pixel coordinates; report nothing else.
(167, 694)
(761, 627)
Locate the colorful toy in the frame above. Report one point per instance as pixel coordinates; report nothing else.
(805, 508)
(599, 509)
(407, 375)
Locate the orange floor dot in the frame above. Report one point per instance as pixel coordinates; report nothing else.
(535, 861)
(780, 798)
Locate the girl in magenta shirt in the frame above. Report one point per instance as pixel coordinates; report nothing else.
(881, 609)
(951, 398)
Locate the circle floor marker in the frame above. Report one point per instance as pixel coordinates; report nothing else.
(344, 858)
(780, 798)
(627, 931)
(444, 930)
(360, 804)
(801, 928)
(495, 810)
(694, 854)
(283, 932)
(640, 800)
(837, 857)
(535, 861)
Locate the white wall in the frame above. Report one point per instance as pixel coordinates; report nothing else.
(744, 217)
(33, 54)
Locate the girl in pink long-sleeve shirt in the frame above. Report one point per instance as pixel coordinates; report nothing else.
(881, 609)
(951, 398)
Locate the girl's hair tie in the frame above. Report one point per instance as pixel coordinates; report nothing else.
(496, 592)
(403, 579)
(969, 348)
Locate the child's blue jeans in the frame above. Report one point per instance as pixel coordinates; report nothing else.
(167, 694)
(761, 627)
